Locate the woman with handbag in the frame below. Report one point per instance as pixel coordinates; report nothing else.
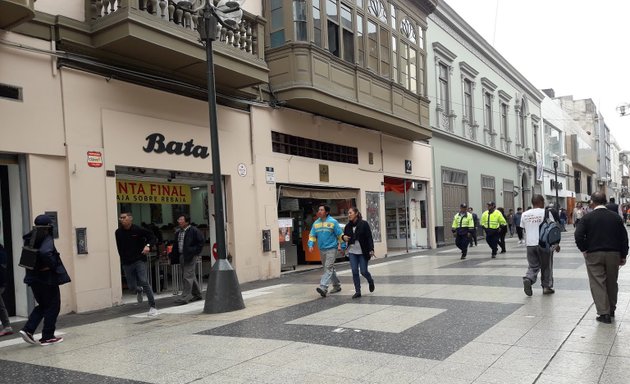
(358, 235)
(49, 273)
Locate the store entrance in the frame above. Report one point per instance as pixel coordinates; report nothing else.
(6, 243)
(405, 215)
(156, 199)
(297, 210)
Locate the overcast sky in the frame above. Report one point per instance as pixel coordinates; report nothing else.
(576, 47)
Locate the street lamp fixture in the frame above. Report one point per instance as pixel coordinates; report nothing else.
(555, 173)
(223, 293)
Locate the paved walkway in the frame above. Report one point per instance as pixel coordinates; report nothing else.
(432, 319)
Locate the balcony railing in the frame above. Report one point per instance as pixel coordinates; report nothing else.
(181, 15)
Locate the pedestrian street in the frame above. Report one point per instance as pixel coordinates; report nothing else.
(432, 318)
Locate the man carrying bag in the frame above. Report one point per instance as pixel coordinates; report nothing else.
(44, 279)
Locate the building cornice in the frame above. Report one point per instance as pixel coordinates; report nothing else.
(468, 70)
(504, 96)
(444, 52)
(487, 84)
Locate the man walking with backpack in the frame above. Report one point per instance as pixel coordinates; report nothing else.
(539, 256)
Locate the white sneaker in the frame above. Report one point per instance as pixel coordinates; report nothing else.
(153, 312)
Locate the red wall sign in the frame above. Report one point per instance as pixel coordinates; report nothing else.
(95, 159)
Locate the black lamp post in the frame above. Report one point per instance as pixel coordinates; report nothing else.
(224, 292)
(555, 172)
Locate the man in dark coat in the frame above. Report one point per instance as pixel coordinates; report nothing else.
(44, 280)
(134, 243)
(602, 238)
(189, 242)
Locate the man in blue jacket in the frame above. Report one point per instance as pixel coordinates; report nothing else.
(326, 232)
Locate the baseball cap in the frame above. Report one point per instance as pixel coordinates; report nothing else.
(43, 220)
(491, 203)
(463, 205)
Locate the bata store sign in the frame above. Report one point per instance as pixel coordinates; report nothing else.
(143, 192)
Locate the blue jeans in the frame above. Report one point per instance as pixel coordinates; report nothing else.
(328, 257)
(48, 304)
(359, 262)
(136, 275)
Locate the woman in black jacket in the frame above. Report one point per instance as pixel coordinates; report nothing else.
(358, 235)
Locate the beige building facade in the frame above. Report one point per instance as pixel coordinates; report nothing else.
(72, 138)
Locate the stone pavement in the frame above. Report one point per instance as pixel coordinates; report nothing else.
(432, 319)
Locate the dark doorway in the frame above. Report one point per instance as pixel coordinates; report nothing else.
(9, 293)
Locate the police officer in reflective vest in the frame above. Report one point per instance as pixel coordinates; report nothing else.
(463, 224)
(491, 221)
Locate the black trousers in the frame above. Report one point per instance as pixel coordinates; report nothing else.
(492, 238)
(519, 232)
(502, 233)
(462, 243)
(473, 236)
(48, 305)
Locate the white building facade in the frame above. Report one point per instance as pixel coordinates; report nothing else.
(486, 120)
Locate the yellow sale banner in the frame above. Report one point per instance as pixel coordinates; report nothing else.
(143, 192)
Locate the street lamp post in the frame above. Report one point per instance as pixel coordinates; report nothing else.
(555, 173)
(223, 293)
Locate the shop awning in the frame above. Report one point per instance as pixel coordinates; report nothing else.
(394, 184)
(318, 193)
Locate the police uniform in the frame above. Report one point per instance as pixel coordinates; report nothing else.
(463, 223)
(491, 223)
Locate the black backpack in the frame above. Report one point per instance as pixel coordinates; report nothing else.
(549, 232)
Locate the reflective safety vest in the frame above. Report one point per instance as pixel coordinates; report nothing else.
(492, 220)
(465, 221)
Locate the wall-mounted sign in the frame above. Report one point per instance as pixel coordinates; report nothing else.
(54, 222)
(270, 175)
(144, 192)
(241, 169)
(156, 142)
(323, 173)
(408, 166)
(95, 159)
(81, 241)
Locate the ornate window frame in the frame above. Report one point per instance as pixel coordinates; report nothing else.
(504, 130)
(535, 132)
(487, 90)
(521, 107)
(444, 57)
(468, 76)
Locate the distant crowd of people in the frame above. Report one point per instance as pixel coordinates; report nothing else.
(600, 234)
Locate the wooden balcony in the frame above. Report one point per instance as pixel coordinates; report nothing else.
(15, 12)
(308, 78)
(161, 37)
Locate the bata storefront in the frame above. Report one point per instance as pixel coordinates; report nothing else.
(158, 170)
(156, 199)
(138, 150)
